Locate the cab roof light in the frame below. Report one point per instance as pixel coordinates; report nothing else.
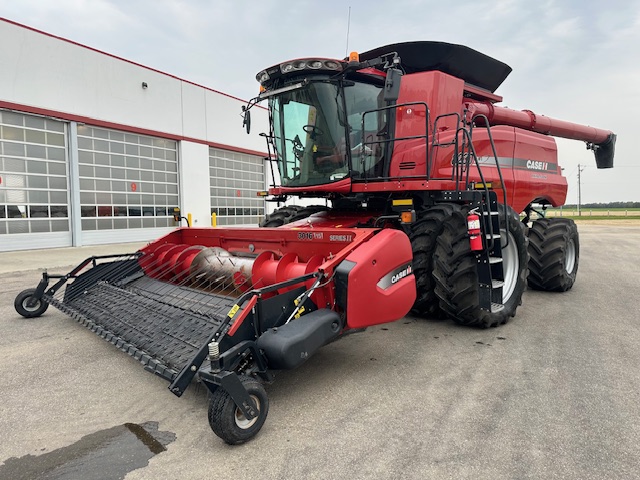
(288, 88)
(308, 63)
(332, 65)
(262, 76)
(354, 57)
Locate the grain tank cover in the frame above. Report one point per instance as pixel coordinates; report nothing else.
(463, 62)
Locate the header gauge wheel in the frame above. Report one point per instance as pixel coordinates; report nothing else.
(28, 306)
(229, 422)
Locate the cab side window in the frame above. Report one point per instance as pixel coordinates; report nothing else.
(363, 102)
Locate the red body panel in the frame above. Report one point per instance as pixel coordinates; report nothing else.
(503, 138)
(526, 153)
(520, 152)
(537, 175)
(370, 299)
(275, 255)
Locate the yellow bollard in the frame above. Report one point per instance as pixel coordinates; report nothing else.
(214, 219)
(189, 219)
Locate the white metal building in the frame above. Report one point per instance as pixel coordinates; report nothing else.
(97, 149)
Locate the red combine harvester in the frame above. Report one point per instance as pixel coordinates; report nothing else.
(425, 177)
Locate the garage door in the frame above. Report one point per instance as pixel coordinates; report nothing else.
(235, 180)
(34, 197)
(128, 185)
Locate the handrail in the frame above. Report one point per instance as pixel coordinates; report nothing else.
(495, 156)
(388, 142)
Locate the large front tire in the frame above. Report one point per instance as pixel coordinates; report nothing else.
(27, 306)
(456, 271)
(228, 422)
(423, 243)
(554, 249)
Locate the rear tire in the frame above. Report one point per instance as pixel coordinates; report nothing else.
(228, 422)
(21, 304)
(279, 216)
(305, 212)
(554, 249)
(289, 214)
(423, 243)
(456, 271)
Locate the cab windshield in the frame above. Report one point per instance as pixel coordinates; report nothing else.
(318, 134)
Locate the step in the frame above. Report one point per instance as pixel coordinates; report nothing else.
(496, 307)
(495, 236)
(497, 284)
(494, 260)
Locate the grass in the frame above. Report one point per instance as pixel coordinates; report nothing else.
(603, 218)
(594, 212)
(603, 214)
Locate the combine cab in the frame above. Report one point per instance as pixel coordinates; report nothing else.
(425, 178)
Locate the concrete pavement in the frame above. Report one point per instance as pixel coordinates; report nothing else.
(52, 258)
(553, 394)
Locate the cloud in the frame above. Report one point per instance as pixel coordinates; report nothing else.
(573, 59)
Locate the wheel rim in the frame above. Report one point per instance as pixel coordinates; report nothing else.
(242, 421)
(34, 308)
(510, 265)
(570, 256)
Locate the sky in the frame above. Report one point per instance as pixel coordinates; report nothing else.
(575, 60)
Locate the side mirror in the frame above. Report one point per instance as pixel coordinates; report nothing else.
(246, 118)
(392, 85)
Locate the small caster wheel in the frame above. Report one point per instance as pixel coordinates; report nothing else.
(229, 422)
(29, 307)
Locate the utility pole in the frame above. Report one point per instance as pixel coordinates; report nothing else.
(580, 168)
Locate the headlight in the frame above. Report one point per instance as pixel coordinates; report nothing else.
(311, 64)
(331, 65)
(262, 77)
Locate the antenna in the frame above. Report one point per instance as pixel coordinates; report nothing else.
(346, 50)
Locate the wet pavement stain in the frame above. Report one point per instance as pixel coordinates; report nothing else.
(105, 455)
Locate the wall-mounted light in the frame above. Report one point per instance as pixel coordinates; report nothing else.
(144, 85)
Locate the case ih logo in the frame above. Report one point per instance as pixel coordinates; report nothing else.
(395, 276)
(406, 271)
(535, 165)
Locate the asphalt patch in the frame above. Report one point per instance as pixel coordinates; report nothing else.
(104, 455)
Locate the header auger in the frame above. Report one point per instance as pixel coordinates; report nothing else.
(428, 189)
